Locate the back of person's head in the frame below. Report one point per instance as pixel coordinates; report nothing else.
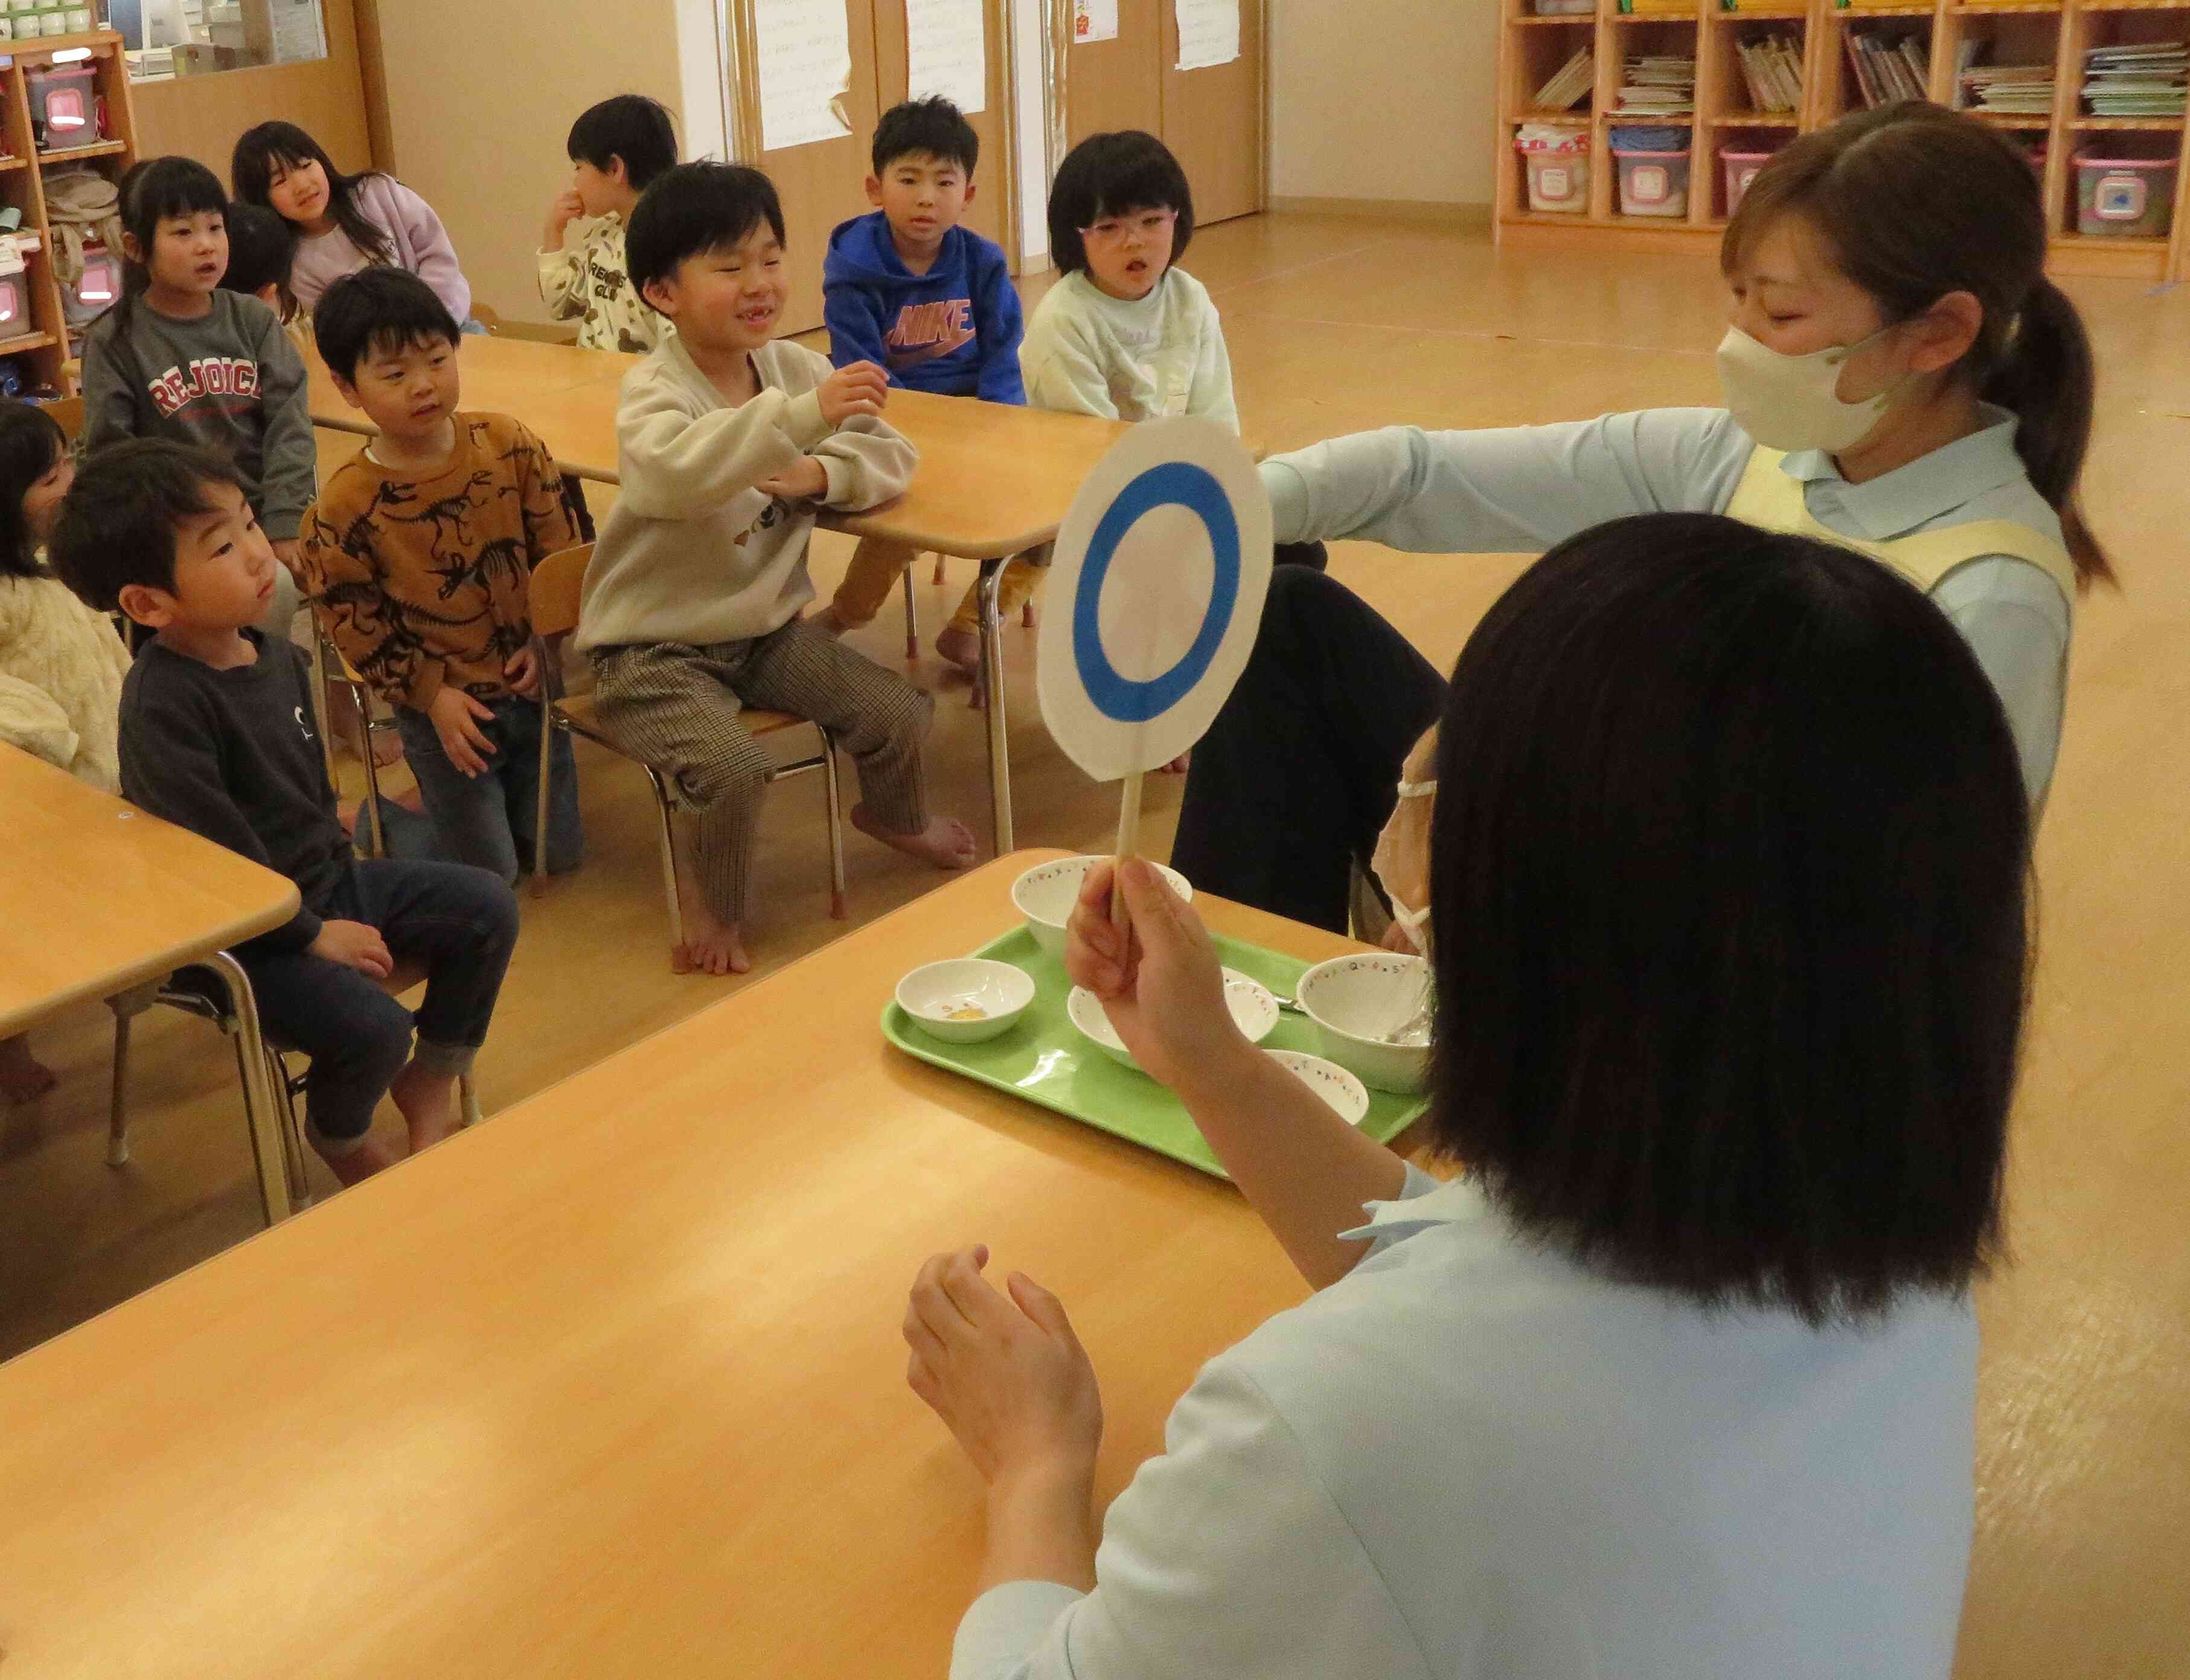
(1913, 202)
(1727, 896)
(378, 311)
(692, 209)
(272, 149)
(119, 525)
(31, 445)
(262, 249)
(631, 126)
(930, 128)
(1115, 175)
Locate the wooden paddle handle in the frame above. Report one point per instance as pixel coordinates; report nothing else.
(1129, 840)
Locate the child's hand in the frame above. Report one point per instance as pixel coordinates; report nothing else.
(456, 718)
(522, 672)
(1157, 977)
(286, 552)
(860, 388)
(566, 209)
(809, 481)
(354, 945)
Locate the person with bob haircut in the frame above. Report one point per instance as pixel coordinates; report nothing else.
(1675, 1379)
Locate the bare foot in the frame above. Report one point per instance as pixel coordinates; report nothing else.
(828, 621)
(370, 1157)
(947, 842)
(428, 1104)
(23, 1077)
(712, 947)
(961, 648)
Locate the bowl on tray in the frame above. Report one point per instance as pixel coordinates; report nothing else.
(1045, 894)
(1368, 1011)
(967, 1000)
(1348, 1097)
(1254, 1010)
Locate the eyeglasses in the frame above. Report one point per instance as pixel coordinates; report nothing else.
(1114, 229)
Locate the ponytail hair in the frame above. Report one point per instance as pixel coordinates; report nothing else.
(1915, 202)
(284, 147)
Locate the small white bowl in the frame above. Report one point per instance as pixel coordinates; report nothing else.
(1357, 1002)
(1045, 894)
(1254, 1011)
(968, 1000)
(1348, 1097)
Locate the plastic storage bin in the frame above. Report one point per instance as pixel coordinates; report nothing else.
(1741, 168)
(94, 292)
(1557, 163)
(64, 106)
(1653, 183)
(12, 303)
(2125, 197)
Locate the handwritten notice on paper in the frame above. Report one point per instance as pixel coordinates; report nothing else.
(947, 50)
(299, 37)
(805, 70)
(1094, 21)
(1208, 33)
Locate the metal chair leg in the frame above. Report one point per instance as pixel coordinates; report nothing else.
(992, 679)
(911, 621)
(266, 1146)
(547, 762)
(117, 1124)
(665, 809)
(362, 696)
(293, 1130)
(839, 900)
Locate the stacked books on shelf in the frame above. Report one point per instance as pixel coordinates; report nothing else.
(2009, 89)
(1570, 86)
(1656, 7)
(1774, 69)
(2146, 79)
(1659, 85)
(1889, 68)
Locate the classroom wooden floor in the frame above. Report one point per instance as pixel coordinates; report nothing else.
(1336, 325)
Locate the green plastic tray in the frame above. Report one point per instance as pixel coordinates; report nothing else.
(1044, 1059)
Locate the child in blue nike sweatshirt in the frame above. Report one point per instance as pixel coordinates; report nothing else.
(908, 289)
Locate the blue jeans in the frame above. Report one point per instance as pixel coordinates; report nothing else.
(489, 819)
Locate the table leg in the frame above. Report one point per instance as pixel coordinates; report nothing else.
(257, 1100)
(992, 679)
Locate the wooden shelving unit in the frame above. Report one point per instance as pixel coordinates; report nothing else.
(2021, 31)
(51, 344)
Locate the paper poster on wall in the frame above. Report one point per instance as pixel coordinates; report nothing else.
(1208, 33)
(947, 52)
(1094, 21)
(805, 70)
(299, 36)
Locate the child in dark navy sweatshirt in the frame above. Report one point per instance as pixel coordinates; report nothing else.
(910, 290)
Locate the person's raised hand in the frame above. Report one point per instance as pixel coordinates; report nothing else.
(566, 209)
(860, 388)
(1157, 977)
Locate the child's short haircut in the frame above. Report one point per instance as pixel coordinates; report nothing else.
(695, 208)
(262, 249)
(931, 128)
(632, 126)
(1114, 175)
(117, 525)
(377, 308)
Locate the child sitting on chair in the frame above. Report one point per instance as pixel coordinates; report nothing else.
(728, 441)
(417, 558)
(217, 735)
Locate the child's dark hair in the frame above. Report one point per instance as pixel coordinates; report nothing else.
(377, 309)
(1914, 202)
(117, 525)
(1115, 175)
(693, 208)
(148, 194)
(1728, 891)
(32, 443)
(931, 128)
(261, 249)
(632, 126)
(285, 146)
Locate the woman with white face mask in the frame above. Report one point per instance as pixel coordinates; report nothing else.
(1900, 378)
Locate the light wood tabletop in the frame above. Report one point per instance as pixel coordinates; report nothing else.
(98, 897)
(611, 1385)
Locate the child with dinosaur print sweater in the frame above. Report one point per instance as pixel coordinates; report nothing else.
(417, 558)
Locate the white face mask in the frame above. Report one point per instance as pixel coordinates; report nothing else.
(1385, 863)
(1790, 403)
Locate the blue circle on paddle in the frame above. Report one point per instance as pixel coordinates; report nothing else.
(1175, 483)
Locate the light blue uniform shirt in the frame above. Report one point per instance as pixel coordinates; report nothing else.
(1473, 1457)
(1527, 488)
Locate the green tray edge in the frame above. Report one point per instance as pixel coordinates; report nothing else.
(1161, 1123)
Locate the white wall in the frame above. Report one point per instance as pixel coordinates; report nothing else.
(1383, 99)
(1029, 68)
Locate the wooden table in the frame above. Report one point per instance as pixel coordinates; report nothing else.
(101, 898)
(994, 480)
(611, 1385)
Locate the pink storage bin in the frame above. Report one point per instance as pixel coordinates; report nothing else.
(11, 306)
(97, 291)
(1558, 174)
(64, 106)
(1741, 168)
(2125, 197)
(1653, 183)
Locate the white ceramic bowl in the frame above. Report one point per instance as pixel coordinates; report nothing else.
(1347, 1096)
(967, 1000)
(1045, 894)
(1254, 1009)
(1357, 1003)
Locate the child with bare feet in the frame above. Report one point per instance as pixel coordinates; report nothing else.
(217, 735)
(728, 440)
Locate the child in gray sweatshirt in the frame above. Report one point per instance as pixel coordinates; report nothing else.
(728, 442)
